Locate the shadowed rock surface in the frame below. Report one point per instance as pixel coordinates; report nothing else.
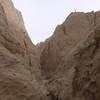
(64, 67)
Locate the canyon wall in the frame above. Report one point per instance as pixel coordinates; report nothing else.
(20, 75)
(70, 58)
(64, 67)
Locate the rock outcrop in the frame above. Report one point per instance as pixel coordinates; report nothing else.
(70, 58)
(20, 77)
(64, 67)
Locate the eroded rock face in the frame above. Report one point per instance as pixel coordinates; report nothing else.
(20, 77)
(86, 79)
(66, 37)
(64, 67)
(69, 58)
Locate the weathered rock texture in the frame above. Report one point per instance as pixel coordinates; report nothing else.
(70, 58)
(20, 77)
(13, 16)
(64, 67)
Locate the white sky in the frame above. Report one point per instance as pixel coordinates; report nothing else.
(42, 16)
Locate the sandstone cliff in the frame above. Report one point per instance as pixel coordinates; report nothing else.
(20, 77)
(70, 58)
(64, 67)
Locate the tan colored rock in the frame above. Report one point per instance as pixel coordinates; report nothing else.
(64, 67)
(20, 77)
(14, 17)
(66, 37)
(67, 74)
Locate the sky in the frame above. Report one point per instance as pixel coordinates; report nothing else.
(42, 16)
